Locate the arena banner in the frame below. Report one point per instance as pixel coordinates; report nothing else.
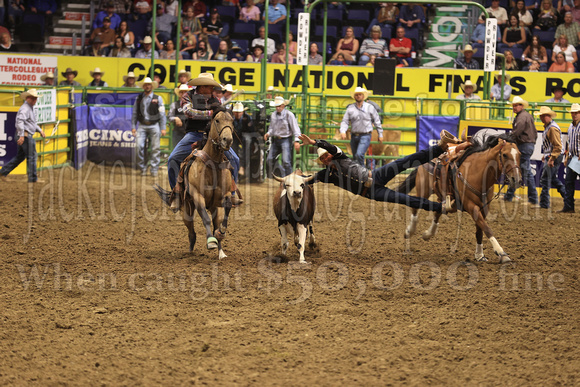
(80, 135)
(109, 135)
(8, 146)
(429, 128)
(445, 36)
(25, 69)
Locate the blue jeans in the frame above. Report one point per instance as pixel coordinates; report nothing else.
(283, 146)
(526, 150)
(25, 151)
(549, 179)
(152, 133)
(571, 178)
(384, 174)
(359, 144)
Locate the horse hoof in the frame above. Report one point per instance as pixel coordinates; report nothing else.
(222, 255)
(426, 236)
(504, 259)
(481, 259)
(219, 235)
(212, 243)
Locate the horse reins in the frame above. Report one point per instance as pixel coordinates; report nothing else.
(214, 142)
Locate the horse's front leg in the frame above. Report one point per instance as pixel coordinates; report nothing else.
(481, 223)
(479, 256)
(199, 202)
(220, 227)
(188, 212)
(430, 233)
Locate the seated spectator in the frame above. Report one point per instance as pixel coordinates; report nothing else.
(535, 51)
(95, 49)
(128, 37)
(212, 26)
(374, 45)
(569, 28)
(199, 8)
(340, 61)
(239, 54)
(203, 51)
(119, 50)
(388, 15)
(411, 16)
(314, 58)
(293, 46)
(129, 80)
(560, 65)
(576, 11)
(280, 56)
(69, 76)
(257, 53)
(6, 43)
(157, 78)
(467, 62)
(169, 52)
(567, 49)
(565, 6)
(371, 62)
(108, 11)
(164, 23)
(401, 48)
(47, 78)
(276, 13)
(97, 81)
(469, 89)
(16, 9)
(146, 51)
(510, 62)
(172, 7)
(250, 13)
(142, 7)
(259, 41)
(498, 12)
(558, 97)
(496, 94)
(525, 17)
(188, 44)
(534, 66)
(107, 36)
(191, 23)
(548, 16)
(514, 35)
(347, 46)
(224, 53)
(120, 7)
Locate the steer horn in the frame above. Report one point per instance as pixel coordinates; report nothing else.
(281, 180)
(308, 178)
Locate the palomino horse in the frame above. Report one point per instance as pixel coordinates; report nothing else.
(477, 170)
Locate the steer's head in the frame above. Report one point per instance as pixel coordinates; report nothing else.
(294, 183)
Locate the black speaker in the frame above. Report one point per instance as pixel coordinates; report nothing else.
(384, 77)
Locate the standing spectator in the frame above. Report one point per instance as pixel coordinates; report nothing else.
(570, 28)
(276, 13)
(572, 159)
(119, 50)
(558, 97)
(469, 89)
(260, 41)
(514, 35)
(203, 51)
(128, 37)
(43, 7)
(244, 128)
(412, 16)
(496, 94)
(176, 116)
(388, 15)
(283, 131)
(567, 49)
(149, 114)
(548, 16)
(250, 13)
(498, 12)
(467, 62)
(280, 56)
(108, 11)
(47, 78)
(26, 126)
(146, 51)
(535, 51)
(401, 48)
(560, 65)
(213, 26)
(257, 53)
(107, 36)
(361, 116)
(6, 43)
(524, 133)
(70, 76)
(373, 45)
(164, 24)
(315, 58)
(16, 9)
(552, 156)
(97, 76)
(169, 52)
(129, 80)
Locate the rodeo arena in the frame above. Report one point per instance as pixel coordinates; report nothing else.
(282, 192)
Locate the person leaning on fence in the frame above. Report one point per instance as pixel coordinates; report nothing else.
(572, 162)
(558, 97)
(70, 76)
(26, 126)
(244, 128)
(283, 132)
(467, 62)
(47, 78)
(469, 89)
(97, 75)
(361, 116)
(148, 122)
(176, 116)
(496, 93)
(552, 156)
(129, 80)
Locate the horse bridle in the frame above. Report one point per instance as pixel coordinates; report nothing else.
(216, 143)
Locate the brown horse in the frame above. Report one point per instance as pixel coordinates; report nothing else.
(477, 170)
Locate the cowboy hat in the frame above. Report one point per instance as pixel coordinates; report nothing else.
(519, 101)
(279, 101)
(320, 151)
(468, 48)
(130, 74)
(507, 77)
(270, 88)
(97, 70)
(184, 72)
(148, 80)
(545, 110)
(30, 93)
(469, 83)
(564, 90)
(360, 90)
(70, 71)
(49, 75)
(182, 87)
(204, 79)
(239, 107)
(574, 108)
(229, 88)
(147, 40)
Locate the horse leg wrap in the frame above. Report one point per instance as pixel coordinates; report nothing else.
(212, 243)
(219, 235)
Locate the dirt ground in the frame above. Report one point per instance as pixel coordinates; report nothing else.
(98, 287)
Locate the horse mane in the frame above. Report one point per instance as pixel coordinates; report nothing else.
(218, 109)
(480, 146)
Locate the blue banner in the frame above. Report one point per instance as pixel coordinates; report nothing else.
(428, 129)
(126, 99)
(8, 146)
(80, 135)
(109, 135)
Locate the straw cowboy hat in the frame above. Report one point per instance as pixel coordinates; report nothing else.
(270, 88)
(279, 101)
(574, 108)
(70, 71)
(147, 40)
(34, 94)
(360, 90)
(130, 74)
(184, 72)
(49, 75)
(97, 70)
(204, 79)
(149, 80)
(545, 110)
(181, 88)
(229, 88)
(519, 101)
(469, 83)
(468, 48)
(507, 77)
(239, 107)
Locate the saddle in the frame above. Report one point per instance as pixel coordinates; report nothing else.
(444, 171)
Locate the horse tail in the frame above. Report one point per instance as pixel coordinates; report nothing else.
(409, 183)
(163, 194)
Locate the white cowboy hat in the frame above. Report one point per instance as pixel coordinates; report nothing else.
(149, 80)
(229, 88)
(97, 70)
(30, 93)
(574, 108)
(468, 48)
(279, 101)
(507, 77)
(271, 88)
(469, 83)
(130, 74)
(239, 107)
(545, 110)
(147, 40)
(49, 74)
(360, 90)
(519, 101)
(184, 72)
(181, 88)
(320, 151)
(204, 79)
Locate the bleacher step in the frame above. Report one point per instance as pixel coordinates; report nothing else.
(63, 42)
(69, 30)
(76, 16)
(76, 7)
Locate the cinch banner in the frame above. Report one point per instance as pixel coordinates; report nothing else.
(109, 135)
(8, 146)
(429, 128)
(80, 117)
